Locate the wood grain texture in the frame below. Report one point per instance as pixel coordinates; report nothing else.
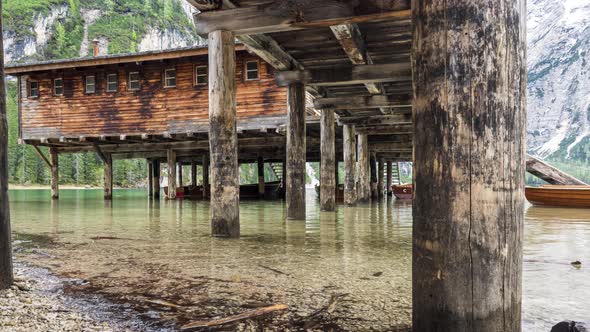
(152, 110)
(54, 156)
(6, 276)
(260, 165)
(156, 181)
(380, 174)
(171, 156)
(469, 164)
(295, 189)
(549, 173)
(223, 137)
(108, 177)
(364, 179)
(328, 162)
(349, 138)
(373, 170)
(389, 177)
(150, 178)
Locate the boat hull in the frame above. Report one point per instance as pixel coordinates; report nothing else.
(567, 196)
(404, 191)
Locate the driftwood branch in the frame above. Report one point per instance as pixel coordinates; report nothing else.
(234, 319)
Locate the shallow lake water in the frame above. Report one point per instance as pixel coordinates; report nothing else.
(158, 257)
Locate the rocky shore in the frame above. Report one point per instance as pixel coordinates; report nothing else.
(36, 302)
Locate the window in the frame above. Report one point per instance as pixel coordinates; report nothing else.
(201, 75)
(112, 83)
(170, 78)
(90, 84)
(58, 87)
(251, 70)
(33, 89)
(134, 80)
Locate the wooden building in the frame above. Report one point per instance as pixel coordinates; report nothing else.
(462, 67)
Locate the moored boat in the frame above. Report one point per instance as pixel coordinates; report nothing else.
(402, 191)
(558, 195)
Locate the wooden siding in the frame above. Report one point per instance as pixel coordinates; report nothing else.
(153, 109)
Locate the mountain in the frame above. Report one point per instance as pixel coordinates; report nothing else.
(559, 80)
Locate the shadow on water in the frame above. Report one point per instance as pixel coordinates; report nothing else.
(158, 257)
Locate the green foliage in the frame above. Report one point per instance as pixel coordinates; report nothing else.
(18, 15)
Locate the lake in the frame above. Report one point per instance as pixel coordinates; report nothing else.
(346, 271)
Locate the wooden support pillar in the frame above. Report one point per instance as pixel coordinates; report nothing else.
(223, 137)
(150, 178)
(108, 177)
(373, 165)
(295, 195)
(380, 170)
(156, 181)
(54, 173)
(328, 156)
(364, 177)
(389, 177)
(171, 174)
(193, 173)
(470, 82)
(6, 276)
(206, 187)
(260, 164)
(180, 180)
(284, 174)
(349, 137)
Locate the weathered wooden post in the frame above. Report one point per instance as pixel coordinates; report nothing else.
(349, 137)
(54, 156)
(6, 276)
(180, 181)
(150, 177)
(380, 170)
(364, 180)
(295, 195)
(223, 137)
(171, 174)
(205, 176)
(389, 175)
(193, 173)
(260, 164)
(328, 163)
(108, 177)
(470, 83)
(373, 167)
(156, 181)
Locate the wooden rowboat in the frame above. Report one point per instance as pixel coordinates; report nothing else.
(557, 195)
(403, 191)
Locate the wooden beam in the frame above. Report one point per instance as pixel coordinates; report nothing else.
(261, 185)
(391, 147)
(296, 148)
(361, 102)
(549, 173)
(328, 162)
(171, 156)
(403, 129)
(363, 172)
(54, 173)
(394, 119)
(206, 5)
(100, 153)
(156, 180)
(361, 74)
(349, 151)
(278, 17)
(42, 155)
(108, 177)
(6, 268)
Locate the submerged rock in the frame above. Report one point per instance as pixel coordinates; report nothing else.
(569, 326)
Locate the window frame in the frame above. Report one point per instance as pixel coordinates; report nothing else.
(116, 83)
(197, 75)
(30, 92)
(246, 70)
(129, 81)
(86, 91)
(55, 86)
(166, 78)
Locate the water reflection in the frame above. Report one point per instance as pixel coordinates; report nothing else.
(136, 249)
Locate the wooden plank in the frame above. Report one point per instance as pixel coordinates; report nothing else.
(394, 119)
(549, 173)
(403, 129)
(296, 148)
(42, 155)
(349, 137)
(470, 87)
(361, 74)
(223, 138)
(361, 102)
(233, 319)
(279, 17)
(328, 163)
(6, 270)
(364, 180)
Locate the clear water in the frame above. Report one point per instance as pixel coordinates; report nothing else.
(137, 251)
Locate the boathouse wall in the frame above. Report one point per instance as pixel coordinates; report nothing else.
(154, 108)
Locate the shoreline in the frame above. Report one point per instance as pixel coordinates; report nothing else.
(61, 187)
